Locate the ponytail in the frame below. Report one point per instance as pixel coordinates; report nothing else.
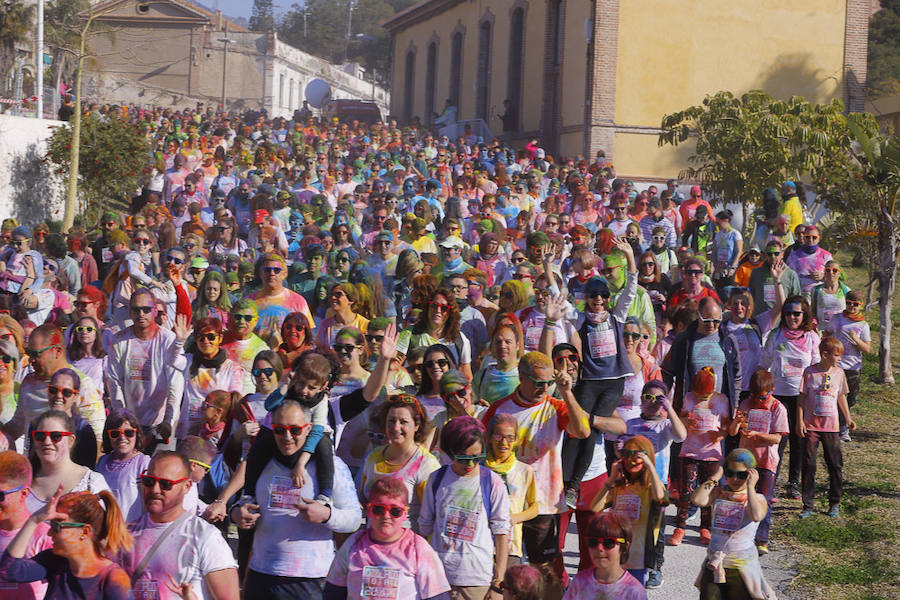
(114, 536)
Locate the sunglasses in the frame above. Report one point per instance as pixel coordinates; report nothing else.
(853, 303)
(469, 458)
(55, 390)
(3, 493)
(142, 309)
(793, 313)
(267, 371)
(571, 358)
(240, 317)
(164, 484)
(832, 270)
(200, 464)
(7, 359)
(374, 338)
(115, 433)
(443, 363)
(142, 241)
(294, 430)
(209, 337)
(631, 334)
(18, 242)
(629, 452)
(607, 543)
(345, 348)
(174, 259)
(737, 474)
(57, 526)
(711, 321)
(35, 354)
(379, 510)
(85, 329)
(460, 393)
(272, 270)
(540, 383)
(440, 306)
(695, 272)
(55, 436)
(521, 276)
(652, 398)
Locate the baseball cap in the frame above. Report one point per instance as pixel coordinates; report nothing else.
(199, 262)
(451, 242)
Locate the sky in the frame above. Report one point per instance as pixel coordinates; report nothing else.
(242, 8)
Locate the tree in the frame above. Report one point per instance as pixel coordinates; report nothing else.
(115, 154)
(883, 77)
(16, 22)
(744, 145)
(263, 16)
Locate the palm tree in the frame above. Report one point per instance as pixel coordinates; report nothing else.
(16, 22)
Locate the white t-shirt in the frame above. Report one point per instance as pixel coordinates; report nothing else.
(188, 554)
(454, 518)
(840, 326)
(91, 482)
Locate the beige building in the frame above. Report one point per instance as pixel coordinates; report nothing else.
(586, 75)
(172, 53)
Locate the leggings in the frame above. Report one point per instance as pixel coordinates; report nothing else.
(597, 398)
(693, 473)
(792, 440)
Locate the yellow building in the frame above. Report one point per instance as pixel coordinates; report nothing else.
(586, 75)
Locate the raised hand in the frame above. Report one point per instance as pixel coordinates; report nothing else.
(388, 346)
(182, 327)
(563, 381)
(556, 308)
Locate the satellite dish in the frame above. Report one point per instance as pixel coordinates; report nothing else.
(318, 93)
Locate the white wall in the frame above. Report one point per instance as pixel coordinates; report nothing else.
(29, 191)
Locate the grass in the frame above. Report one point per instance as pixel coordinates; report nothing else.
(855, 556)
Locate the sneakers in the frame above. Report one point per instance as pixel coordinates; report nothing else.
(676, 537)
(705, 537)
(571, 497)
(792, 491)
(762, 548)
(845, 435)
(834, 511)
(322, 498)
(806, 514)
(654, 579)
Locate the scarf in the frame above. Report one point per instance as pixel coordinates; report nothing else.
(207, 363)
(808, 249)
(595, 318)
(502, 468)
(207, 432)
(453, 264)
(856, 318)
(792, 335)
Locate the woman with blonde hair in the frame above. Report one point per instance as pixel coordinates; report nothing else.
(84, 533)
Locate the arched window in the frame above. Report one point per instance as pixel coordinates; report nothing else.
(516, 48)
(456, 54)
(430, 75)
(484, 70)
(281, 90)
(408, 95)
(291, 95)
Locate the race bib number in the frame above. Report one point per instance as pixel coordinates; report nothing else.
(705, 419)
(723, 255)
(461, 524)
(602, 343)
(145, 589)
(106, 255)
(728, 515)
(283, 494)
(139, 368)
(792, 368)
(825, 405)
(628, 506)
(759, 420)
(769, 292)
(533, 337)
(579, 296)
(380, 583)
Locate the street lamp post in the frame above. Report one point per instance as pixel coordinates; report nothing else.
(39, 60)
(225, 41)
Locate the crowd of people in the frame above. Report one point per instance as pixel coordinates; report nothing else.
(390, 365)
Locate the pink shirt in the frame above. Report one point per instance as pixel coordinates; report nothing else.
(405, 569)
(711, 415)
(772, 419)
(585, 585)
(819, 392)
(40, 541)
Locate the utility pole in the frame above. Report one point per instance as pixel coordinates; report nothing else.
(305, 15)
(225, 41)
(350, 7)
(39, 60)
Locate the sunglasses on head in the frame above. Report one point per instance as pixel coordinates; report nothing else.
(737, 474)
(115, 433)
(55, 436)
(379, 510)
(607, 543)
(56, 526)
(164, 484)
(55, 390)
(267, 371)
(294, 430)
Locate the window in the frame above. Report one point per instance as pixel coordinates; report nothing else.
(456, 52)
(558, 31)
(291, 95)
(408, 92)
(430, 74)
(516, 47)
(281, 90)
(484, 70)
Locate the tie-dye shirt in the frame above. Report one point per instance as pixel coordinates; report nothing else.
(243, 352)
(229, 377)
(273, 310)
(804, 264)
(405, 569)
(541, 428)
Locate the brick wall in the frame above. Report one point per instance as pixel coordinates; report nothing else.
(856, 47)
(602, 78)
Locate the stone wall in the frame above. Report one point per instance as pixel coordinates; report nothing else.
(29, 191)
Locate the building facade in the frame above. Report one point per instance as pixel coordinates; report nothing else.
(589, 75)
(173, 53)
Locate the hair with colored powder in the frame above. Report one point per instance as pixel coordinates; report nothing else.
(762, 382)
(15, 470)
(639, 442)
(741, 456)
(411, 404)
(703, 383)
(461, 432)
(51, 333)
(524, 582)
(611, 525)
(831, 345)
(108, 530)
(531, 361)
(390, 487)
